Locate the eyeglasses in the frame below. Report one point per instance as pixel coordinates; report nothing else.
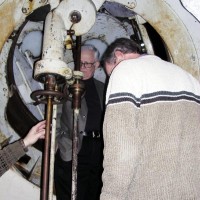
(86, 65)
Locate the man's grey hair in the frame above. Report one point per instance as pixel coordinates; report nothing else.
(93, 48)
(124, 45)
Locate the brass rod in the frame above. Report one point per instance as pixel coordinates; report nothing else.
(78, 53)
(46, 155)
(52, 151)
(74, 154)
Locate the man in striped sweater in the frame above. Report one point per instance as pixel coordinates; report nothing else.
(151, 128)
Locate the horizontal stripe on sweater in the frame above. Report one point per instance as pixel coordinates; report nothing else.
(153, 97)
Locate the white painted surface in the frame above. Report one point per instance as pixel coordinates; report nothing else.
(193, 6)
(14, 186)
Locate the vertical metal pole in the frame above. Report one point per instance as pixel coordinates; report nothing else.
(75, 155)
(52, 152)
(45, 177)
(77, 91)
(50, 85)
(78, 53)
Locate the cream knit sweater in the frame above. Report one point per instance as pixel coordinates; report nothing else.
(151, 132)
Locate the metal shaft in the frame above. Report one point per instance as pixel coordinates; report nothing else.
(46, 155)
(77, 90)
(50, 85)
(52, 152)
(74, 155)
(78, 53)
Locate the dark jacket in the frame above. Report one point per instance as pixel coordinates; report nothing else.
(64, 137)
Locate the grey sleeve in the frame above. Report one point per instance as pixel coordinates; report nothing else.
(9, 155)
(64, 132)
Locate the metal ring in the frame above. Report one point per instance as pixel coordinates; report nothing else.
(40, 96)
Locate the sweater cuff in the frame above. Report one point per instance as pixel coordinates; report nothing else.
(23, 145)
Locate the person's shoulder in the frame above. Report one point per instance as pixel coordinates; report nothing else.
(99, 85)
(98, 82)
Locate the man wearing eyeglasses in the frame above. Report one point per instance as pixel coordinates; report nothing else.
(90, 136)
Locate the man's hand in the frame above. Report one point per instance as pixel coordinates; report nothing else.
(35, 133)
